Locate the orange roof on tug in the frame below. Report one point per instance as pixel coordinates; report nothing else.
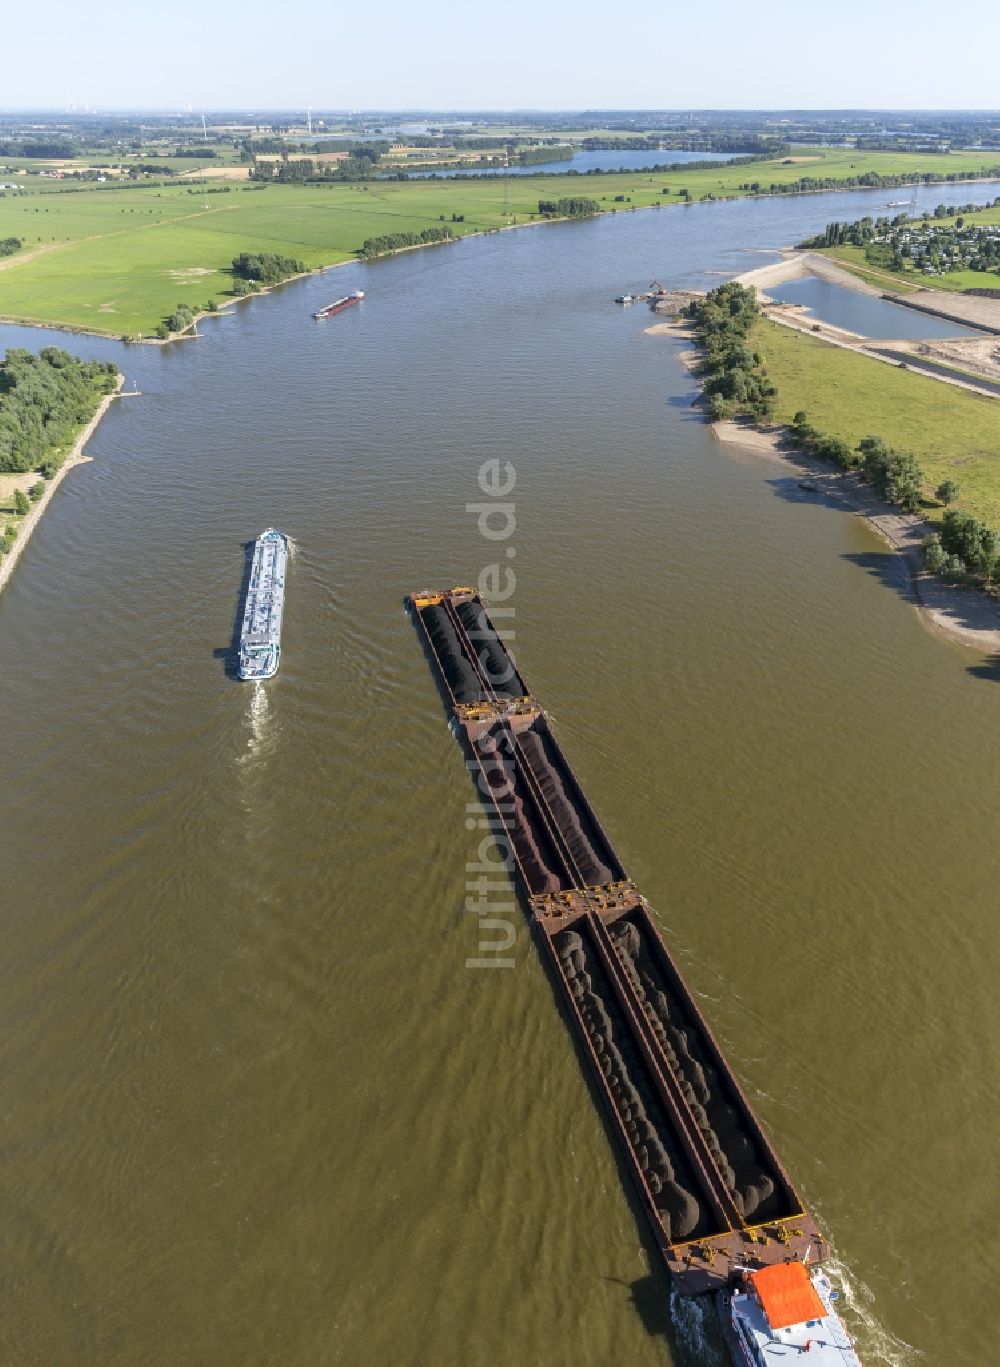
(787, 1295)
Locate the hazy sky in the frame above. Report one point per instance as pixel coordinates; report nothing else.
(545, 54)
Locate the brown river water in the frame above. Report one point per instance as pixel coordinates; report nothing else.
(257, 1108)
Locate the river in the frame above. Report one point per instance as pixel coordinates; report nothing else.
(623, 159)
(257, 1107)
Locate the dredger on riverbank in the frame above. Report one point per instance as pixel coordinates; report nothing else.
(722, 1209)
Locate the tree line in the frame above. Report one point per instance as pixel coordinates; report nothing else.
(757, 147)
(572, 206)
(965, 549)
(895, 475)
(44, 401)
(735, 375)
(873, 180)
(902, 242)
(392, 242)
(265, 268)
(861, 231)
(60, 149)
(532, 155)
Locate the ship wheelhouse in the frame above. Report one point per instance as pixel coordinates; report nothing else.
(780, 1311)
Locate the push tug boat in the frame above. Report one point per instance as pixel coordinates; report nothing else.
(782, 1312)
(260, 638)
(355, 297)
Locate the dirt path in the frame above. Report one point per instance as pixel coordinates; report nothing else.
(977, 354)
(19, 258)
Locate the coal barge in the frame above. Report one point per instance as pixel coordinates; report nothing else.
(719, 1202)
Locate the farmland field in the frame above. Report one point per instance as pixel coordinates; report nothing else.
(117, 259)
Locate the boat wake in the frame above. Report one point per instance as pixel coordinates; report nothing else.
(696, 1331)
(876, 1344)
(257, 715)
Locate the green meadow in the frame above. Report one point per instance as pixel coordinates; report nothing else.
(117, 260)
(953, 433)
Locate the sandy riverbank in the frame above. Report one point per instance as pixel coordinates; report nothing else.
(795, 264)
(968, 616)
(76, 457)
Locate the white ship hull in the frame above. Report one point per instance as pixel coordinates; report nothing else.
(260, 637)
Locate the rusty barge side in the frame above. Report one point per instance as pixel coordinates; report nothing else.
(713, 1188)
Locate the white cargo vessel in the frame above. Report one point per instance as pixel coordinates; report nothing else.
(260, 638)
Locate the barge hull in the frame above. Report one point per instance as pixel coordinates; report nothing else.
(715, 1193)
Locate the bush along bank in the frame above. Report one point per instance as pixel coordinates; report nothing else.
(251, 271)
(895, 476)
(394, 242)
(965, 551)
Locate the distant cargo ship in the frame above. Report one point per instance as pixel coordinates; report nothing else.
(260, 638)
(355, 297)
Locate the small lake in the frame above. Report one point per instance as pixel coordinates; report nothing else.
(594, 161)
(872, 317)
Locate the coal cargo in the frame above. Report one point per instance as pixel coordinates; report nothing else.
(718, 1109)
(592, 856)
(460, 675)
(717, 1197)
(495, 661)
(634, 1097)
